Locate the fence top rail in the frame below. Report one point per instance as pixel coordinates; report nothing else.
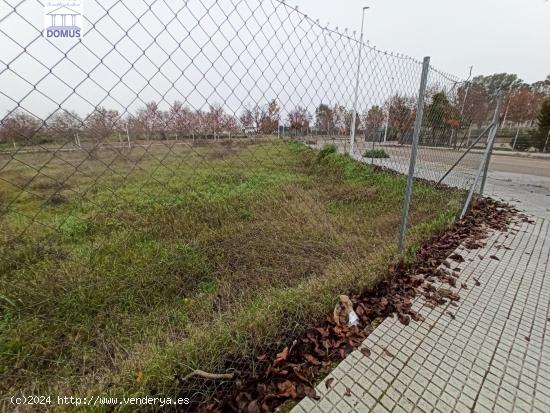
(354, 38)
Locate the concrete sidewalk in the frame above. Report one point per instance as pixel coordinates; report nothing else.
(526, 192)
(491, 352)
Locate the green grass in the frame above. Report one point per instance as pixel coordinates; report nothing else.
(327, 150)
(375, 153)
(145, 265)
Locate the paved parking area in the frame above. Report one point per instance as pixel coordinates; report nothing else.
(489, 353)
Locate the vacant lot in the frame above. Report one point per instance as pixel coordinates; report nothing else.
(123, 269)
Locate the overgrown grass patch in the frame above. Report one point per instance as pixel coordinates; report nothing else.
(138, 278)
(376, 153)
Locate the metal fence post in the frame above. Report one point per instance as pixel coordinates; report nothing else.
(357, 80)
(463, 106)
(414, 150)
(484, 166)
(470, 147)
(128, 137)
(491, 142)
(546, 143)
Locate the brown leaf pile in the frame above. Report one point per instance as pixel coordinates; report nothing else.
(291, 373)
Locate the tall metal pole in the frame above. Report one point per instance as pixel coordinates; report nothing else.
(467, 91)
(470, 147)
(495, 124)
(386, 128)
(476, 180)
(414, 150)
(491, 142)
(388, 115)
(510, 97)
(546, 143)
(463, 105)
(357, 80)
(515, 140)
(128, 136)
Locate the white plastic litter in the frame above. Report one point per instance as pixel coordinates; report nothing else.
(353, 319)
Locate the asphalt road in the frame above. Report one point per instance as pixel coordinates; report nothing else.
(519, 180)
(520, 165)
(445, 158)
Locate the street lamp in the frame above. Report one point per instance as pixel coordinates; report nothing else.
(388, 114)
(357, 80)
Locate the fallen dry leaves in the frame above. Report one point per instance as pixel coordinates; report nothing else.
(291, 373)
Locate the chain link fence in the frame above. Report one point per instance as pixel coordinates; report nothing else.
(183, 187)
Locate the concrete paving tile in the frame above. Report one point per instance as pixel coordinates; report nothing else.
(481, 360)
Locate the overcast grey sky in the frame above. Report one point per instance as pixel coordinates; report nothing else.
(493, 35)
(239, 53)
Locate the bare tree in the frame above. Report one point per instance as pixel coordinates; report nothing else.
(299, 119)
(21, 127)
(374, 120)
(402, 111)
(64, 124)
(324, 118)
(251, 117)
(524, 106)
(102, 123)
(179, 119)
(151, 121)
(269, 121)
(247, 119)
(340, 119)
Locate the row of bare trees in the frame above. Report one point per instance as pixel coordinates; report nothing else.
(149, 122)
(469, 104)
(522, 101)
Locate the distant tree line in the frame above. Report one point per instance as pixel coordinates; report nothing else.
(149, 122)
(522, 101)
(446, 113)
(523, 105)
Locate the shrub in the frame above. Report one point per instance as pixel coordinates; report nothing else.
(544, 125)
(537, 138)
(376, 153)
(327, 150)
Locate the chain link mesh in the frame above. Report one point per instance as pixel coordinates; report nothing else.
(171, 195)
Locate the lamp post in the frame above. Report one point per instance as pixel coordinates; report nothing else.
(357, 80)
(388, 114)
(462, 109)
